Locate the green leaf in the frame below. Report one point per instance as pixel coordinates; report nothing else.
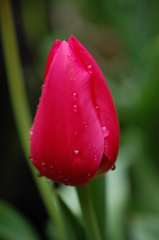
(73, 224)
(117, 185)
(97, 188)
(70, 198)
(13, 226)
(71, 214)
(144, 227)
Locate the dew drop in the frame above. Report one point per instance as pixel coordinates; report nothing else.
(42, 87)
(43, 166)
(97, 110)
(31, 158)
(75, 108)
(90, 146)
(52, 170)
(89, 176)
(60, 177)
(105, 131)
(55, 163)
(67, 182)
(69, 56)
(75, 96)
(77, 155)
(95, 157)
(113, 167)
(31, 131)
(80, 164)
(74, 134)
(85, 124)
(71, 79)
(90, 69)
(34, 161)
(76, 152)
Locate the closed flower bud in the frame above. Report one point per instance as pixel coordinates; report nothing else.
(75, 134)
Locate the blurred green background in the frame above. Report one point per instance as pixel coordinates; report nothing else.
(123, 37)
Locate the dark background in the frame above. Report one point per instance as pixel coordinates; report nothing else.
(123, 38)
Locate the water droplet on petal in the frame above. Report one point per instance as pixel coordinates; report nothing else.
(55, 163)
(60, 177)
(80, 164)
(105, 131)
(113, 167)
(75, 96)
(95, 157)
(52, 169)
(85, 124)
(43, 166)
(89, 176)
(67, 182)
(77, 155)
(31, 158)
(31, 131)
(97, 110)
(42, 87)
(75, 108)
(69, 56)
(34, 161)
(71, 79)
(74, 134)
(90, 146)
(90, 69)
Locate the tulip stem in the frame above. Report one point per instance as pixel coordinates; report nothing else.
(92, 229)
(21, 110)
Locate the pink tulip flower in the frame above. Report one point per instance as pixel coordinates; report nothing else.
(75, 134)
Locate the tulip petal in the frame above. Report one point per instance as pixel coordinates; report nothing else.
(104, 105)
(67, 143)
(51, 55)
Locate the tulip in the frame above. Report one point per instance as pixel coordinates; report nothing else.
(75, 134)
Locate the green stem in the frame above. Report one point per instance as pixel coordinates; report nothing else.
(91, 227)
(21, 109)
(97, 187)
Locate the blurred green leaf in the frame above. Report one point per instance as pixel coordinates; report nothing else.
(97, 189)
(51, 231)
(71, 216)
(73, 224)
(117, 185)
(34, 17)
(144, 227)
(70, 198)
(146, 184)
(13, 226)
